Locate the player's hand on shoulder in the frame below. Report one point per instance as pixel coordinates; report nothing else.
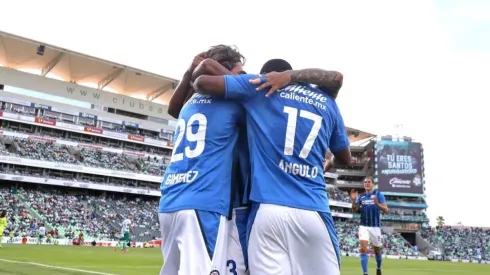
(354, 194)
(274, 81)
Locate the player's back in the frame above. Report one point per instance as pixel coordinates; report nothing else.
(3, 222)
(199, 174)
(290, 134)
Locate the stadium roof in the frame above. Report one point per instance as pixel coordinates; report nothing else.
(358, 137)
(41, 58)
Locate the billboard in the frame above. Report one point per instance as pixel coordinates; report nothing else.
(399, 167)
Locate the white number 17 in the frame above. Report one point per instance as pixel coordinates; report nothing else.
(291, 131)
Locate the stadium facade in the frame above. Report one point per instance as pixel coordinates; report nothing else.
(82, 157)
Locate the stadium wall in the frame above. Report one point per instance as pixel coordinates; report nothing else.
(77, 92)
(75, 110)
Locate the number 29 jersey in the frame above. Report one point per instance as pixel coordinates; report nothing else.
(288, 135)
(199, 174)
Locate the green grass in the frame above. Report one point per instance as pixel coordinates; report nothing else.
(148, 261)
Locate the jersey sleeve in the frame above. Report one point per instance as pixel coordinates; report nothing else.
(358, 200)
(237, 87)
(339, 140)
(381, 198)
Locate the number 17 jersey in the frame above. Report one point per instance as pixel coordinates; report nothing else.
(199, 174)
(288, 135)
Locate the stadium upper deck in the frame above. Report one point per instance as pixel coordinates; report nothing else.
(75, 80)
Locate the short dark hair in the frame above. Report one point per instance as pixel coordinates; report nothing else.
(275, 65)
(228, 56)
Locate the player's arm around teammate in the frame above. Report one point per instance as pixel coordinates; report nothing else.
(330, 86)
(215, 85)
(184, 90)
(275, 81)
(203, 63)
(211, 67)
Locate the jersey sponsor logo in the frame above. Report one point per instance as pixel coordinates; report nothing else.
(301, 170)
(199, 99)
(367, 202)
(187, 177)
(304, 94)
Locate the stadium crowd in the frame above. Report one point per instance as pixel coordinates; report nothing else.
(338, 195)
(459, 242)
(19, 217)
(70, 214)
(101, 217)
(85, 156)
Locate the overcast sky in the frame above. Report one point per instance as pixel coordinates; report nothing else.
(423, 64)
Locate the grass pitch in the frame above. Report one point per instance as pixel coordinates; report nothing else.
(72, 260)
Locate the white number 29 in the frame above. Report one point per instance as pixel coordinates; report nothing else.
(199, 137)
(291, 131)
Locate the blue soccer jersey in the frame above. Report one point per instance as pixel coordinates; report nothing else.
(242, 170)
(288, 135)
(199, 175)
(370, 213)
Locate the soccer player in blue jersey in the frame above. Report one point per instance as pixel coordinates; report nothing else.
(237, 256)
(196, 189)
(290, 227)
(370, 204)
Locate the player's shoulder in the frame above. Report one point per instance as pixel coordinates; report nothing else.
(308, 95)
(207, 104)
(241, 77)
